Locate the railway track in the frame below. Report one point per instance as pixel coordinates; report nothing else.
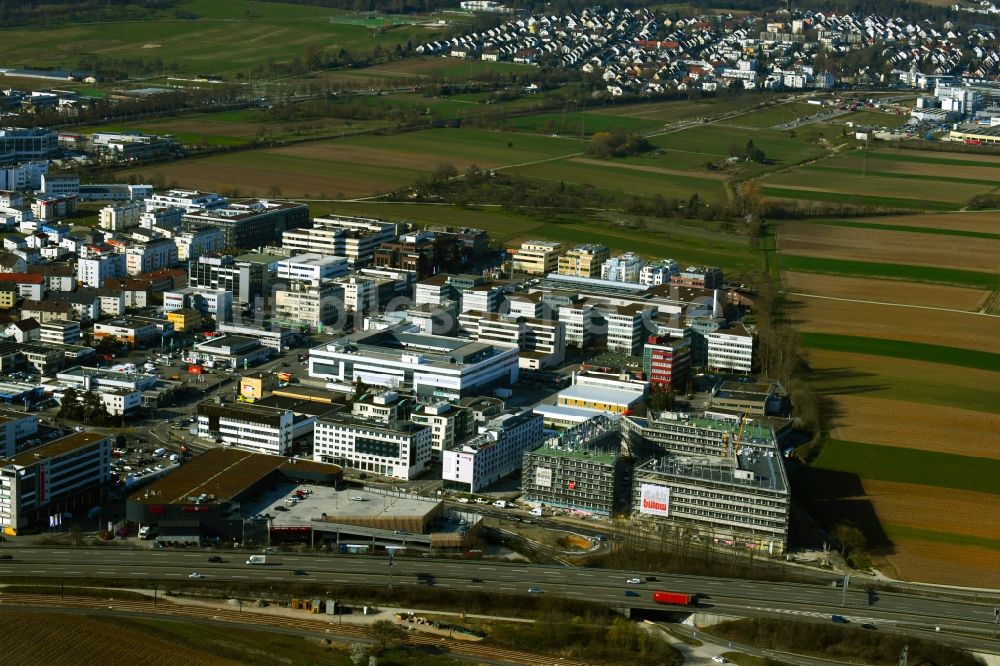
(249, 617)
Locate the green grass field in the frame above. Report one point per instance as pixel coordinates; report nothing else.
(950, 538)
(916, 230)
(875, 119)
(913, 351)
(842, 173)
(859, 199)
(777, 114)
(576, 123)
(933, 158)
(827, 181)
(976, 279)
(929, 468)
(719, 142)
(228, 37)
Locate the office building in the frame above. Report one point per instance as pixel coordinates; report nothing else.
(731, 349)
(666, 361)
(259, 428)
(496, 452)
(397, 449)
(187, 200)
(536, 257)
(356, 238)
(658, 272)
(426, 365)
(245, 280)
(252, 223)
(27, 145)
(312, 268)
(584, 261)
(624, 268)
(320, 308)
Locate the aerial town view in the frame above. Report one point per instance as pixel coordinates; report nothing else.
(500, 332)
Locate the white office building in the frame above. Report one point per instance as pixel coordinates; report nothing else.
(255, 427)
(496, 452)
(118, 217)
(355, 238)
(731, 349)
(92, 272)
(197, 242)
(428, 365)
(398, 449)
(188, 200)
(312, 268)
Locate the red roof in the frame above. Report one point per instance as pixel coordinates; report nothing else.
(22, 278)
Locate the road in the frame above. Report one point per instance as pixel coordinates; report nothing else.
(723, 596)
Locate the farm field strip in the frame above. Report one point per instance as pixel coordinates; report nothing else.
(929, 157)
(909, 229)
(917, 295)
(876, 245)
(973, 172)
(861, 418)
(945, 563)
(836, 373)
(871, 269)
(972, 221)
(954, 513)
(906, 465)
(804, 193)
(914, 351)
(939, 536)
(618, 177)
(846, 171)
(891, 187)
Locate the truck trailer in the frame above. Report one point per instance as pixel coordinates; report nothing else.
(257, 559)
(675, 598)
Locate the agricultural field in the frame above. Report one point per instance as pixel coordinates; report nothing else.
(892, 178)
(356, 166)
(778, 115)
(882, 246)
(885, 291)
(873, 341)
(266, 31)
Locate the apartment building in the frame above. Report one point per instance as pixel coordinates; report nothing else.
(666, 361)
(356, 238)
(584, 261)
(623, 268)
(537, 257)
(658, 272)
(397, 449)
(47, 208)
(731, 349)
(118, 217)
(60, 331)
(198, 242)
(312, 268)
(448, 423)
(132, 332)
(95, 270)
(699, 277)
(318, 307)
(154, 255)
(496, 452)
(252, 223)
(67, 474)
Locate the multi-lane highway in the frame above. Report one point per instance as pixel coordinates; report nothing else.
(717, 595)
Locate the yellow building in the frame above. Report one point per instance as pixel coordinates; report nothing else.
(252, 387)
(584, 261)
(184, 320)
(537, 257)
(8, 295)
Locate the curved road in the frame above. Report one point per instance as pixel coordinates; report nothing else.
(718, 595)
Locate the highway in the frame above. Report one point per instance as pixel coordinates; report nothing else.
(724, 596)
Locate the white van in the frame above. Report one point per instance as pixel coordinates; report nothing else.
(537, 511)
(500, 504)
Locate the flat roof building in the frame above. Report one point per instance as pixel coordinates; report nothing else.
(399, 449)
(496, 452)
(251, 223)
(426, 365)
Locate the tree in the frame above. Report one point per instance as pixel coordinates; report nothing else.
(660, 400)
(852, 540)
(751, 197)
(386, 634)
(359, 654)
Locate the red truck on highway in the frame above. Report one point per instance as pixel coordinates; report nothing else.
(675, 598)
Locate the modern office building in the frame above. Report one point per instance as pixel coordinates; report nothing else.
(246, 280)
(449, 424)
(188, 200)
(731, 349)
(252, 223)
(259, 428)
(658, 272)
(356, 238)
(497, 451)
(426, 365)
(26, 145)
(700, 277)
(624, 268)
(312, 268)
(542, 342)
(581, 470)
(398, 449)
(320, 308)
(666, 361)
(66, 475)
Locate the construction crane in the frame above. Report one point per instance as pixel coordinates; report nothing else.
(727, 438)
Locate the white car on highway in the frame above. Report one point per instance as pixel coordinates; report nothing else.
(634, 581)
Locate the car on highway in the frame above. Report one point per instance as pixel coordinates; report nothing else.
(477, 580)
(300, 572)
(6, 556)
(868, 626)
(631, 593)
(195, 574)
(651, 579)
(634, 581)
(215, 559)
(534, 590)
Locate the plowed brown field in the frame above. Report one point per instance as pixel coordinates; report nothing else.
(890, 322)
(941, 509)
(988, 223)
(55, 640)
(897, 247)
(945, 564)
(929, 428)
(887, 291)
